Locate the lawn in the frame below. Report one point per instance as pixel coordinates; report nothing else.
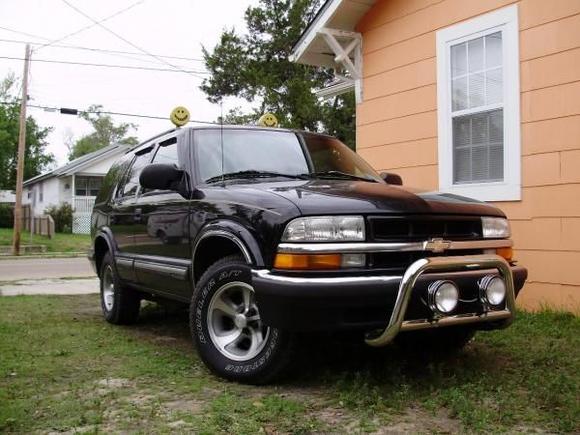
(59, 243)
(63, 369)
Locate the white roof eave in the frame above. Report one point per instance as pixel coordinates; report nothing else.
(74, 167)
(336, 14)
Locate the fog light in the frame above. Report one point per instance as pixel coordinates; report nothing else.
(492, 290)
(443, 296)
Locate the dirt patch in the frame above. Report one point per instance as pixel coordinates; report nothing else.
(412, 421)
(109, 385)
(114, 383)
(177, 424)
(191, 406)
(333, 417)
(416, 420)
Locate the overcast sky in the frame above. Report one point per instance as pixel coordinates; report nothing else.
(171, 28)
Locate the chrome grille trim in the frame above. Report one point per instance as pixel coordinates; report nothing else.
(427, 246)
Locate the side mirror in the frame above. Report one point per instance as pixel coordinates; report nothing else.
(162, 176)
(390, 178)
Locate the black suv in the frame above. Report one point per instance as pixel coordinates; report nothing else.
(266, 233)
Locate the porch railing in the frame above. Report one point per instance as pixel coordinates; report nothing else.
(83, 208)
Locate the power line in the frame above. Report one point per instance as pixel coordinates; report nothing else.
(69, 111)
(24, 33)
(112, 52)
(100, 50)
(107, 65)
(124, 39)
(76, 32)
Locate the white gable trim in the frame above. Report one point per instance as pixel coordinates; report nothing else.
(314, 28)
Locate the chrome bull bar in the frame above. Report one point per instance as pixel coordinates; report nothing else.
(444, 264)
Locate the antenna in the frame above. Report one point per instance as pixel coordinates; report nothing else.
(222, 136)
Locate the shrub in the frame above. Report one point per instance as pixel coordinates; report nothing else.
(62, 216)
(6, 216)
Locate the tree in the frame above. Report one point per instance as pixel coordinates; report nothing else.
(105, 133)
(255, 67)
(36, 158)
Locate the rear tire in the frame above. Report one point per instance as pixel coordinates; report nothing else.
(227, 330)
(439, 341)
(120, 304)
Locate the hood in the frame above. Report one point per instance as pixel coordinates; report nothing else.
(316, 197)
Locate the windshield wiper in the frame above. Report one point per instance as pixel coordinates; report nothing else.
(251, 174)
(340, 175)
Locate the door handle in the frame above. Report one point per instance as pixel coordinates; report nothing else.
(137, 215)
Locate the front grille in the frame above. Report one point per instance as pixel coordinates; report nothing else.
(399, 261)
(420, 228)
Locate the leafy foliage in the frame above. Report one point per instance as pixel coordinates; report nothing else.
(36, 158)
(105, 133)
(62, 216)
(6, 216)
(255, 67)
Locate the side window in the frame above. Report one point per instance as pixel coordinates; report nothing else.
(132, 179)
(167, 152)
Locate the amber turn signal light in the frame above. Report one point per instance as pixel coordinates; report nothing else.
(507, 253)
(307, 261)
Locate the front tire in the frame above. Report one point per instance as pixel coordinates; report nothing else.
(120, 304)
(227, 329)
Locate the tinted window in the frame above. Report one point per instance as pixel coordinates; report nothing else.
(330, 154)
(245, 150)
(167, 152)
(132, 184)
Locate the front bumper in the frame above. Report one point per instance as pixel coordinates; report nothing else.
(376, 302)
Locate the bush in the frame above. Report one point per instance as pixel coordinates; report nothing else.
(6, 216)
(62, 216)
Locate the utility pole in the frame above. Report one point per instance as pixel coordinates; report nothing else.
(20, 164)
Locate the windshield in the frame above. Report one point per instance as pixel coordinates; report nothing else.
(330, 155)
(261, 153)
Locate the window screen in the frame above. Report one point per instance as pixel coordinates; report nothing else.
(87, 186)
(477, 110)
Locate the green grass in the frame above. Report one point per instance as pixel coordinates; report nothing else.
(62, 368)
(59, 242)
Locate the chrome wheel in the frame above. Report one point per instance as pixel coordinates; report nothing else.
(234, 323)
(108, 288)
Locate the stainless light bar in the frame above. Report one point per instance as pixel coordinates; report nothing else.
(434, 245)
(444, 264)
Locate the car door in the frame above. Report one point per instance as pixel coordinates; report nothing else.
(162, 241)
(124, 214)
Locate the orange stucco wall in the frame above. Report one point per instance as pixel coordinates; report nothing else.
(397, 123)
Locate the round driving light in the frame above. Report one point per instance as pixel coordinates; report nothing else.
(443, 296)
(492, 290)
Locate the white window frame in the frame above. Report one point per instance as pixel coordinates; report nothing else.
(506, 21)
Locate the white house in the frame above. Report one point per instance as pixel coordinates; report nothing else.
(7, 197)
(77, 183)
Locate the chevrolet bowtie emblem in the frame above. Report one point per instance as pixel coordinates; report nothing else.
(437, 245)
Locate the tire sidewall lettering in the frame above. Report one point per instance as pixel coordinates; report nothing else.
(223, 276)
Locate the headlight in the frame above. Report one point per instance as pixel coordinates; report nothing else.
(325, 229)
(495, 228)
